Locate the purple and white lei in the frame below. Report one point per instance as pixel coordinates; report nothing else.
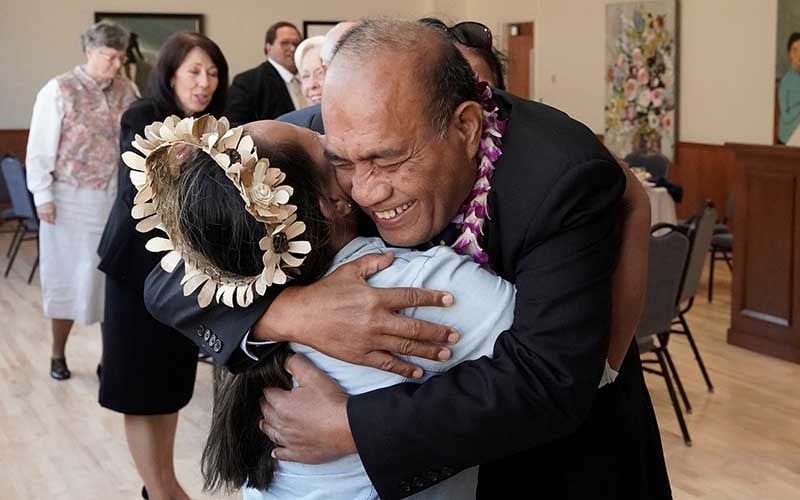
(474, 211)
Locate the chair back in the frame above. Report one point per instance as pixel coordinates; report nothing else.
(21, 200)
(730, 207)
(656, 163)
(668, 252)
(701, 230)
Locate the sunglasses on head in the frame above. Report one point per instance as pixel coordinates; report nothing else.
(469, 33)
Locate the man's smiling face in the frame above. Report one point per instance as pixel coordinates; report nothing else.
(387, 155)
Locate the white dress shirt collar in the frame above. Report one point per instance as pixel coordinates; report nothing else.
(285, 73)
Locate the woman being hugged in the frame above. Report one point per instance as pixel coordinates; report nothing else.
(149, 369)
(71, 161)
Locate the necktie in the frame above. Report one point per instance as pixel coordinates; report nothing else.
(296, 92)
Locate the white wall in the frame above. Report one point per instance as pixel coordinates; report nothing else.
(727, 62)
(39, 39)
(726, 50)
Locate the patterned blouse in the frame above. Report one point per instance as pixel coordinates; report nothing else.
(75, 132)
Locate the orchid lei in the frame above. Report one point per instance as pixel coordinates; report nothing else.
(475, 210)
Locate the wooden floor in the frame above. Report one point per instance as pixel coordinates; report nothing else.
(57, 443)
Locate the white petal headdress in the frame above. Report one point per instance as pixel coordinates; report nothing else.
(155, 173)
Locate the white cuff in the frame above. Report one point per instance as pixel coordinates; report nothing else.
(254, 343)
(609, 375)
(42, 197)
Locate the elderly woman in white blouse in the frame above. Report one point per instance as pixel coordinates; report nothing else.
(310, 68)
(72, 160)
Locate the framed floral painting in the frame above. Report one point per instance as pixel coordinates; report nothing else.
(641, 78)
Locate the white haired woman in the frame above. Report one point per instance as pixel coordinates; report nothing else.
(71, 169)
(310, 68)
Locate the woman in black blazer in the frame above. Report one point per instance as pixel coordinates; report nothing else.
(148, 368)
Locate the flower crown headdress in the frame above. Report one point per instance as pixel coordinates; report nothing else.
(155, 176)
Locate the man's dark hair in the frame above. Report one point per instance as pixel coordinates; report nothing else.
(170, 57)
(792, 38)
(442, 72)
(272, 31)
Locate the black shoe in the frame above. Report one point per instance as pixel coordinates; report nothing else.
(58, 369)
(144, 493)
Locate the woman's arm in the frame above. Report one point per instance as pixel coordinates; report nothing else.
(43, 140)
(630, 277)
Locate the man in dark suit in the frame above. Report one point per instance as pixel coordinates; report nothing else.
(272, 88)
(531, 416)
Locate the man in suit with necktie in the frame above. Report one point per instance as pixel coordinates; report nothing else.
(272, 88)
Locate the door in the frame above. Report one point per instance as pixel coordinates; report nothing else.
(520, 54)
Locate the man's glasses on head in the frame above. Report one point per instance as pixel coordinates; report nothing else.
(469, 33)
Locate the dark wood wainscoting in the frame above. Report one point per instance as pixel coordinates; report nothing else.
(14, 141)
(705, 171)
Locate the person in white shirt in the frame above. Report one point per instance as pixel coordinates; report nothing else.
(72, 158)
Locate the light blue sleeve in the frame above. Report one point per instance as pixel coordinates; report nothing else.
(483, 308)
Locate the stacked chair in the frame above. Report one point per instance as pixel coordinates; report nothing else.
(700, 229)
(23, 211)
(721, 245)
(669, 248)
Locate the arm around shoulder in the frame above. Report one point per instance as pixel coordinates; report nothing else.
(166, 303)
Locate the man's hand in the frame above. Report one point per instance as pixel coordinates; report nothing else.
(345, 318)
(309, 423)
(47, 212)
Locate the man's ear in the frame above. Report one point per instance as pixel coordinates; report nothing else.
(469, 125)
(266, 49)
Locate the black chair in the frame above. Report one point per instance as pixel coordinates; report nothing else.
(23, 207)
(9, 216)
(723, 226)
(667, 262)
(700, 229)
(721, 245)
(656, 164)
(721, 249)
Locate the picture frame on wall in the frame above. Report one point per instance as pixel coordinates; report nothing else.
(148, 33)
(314, 28)
(787, 74)
(641, 78)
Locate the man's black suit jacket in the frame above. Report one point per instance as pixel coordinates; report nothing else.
(309, 117)
(531, 416)
(258, 94)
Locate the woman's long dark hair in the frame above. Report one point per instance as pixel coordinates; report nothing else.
(170, 57)
(213, 220)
